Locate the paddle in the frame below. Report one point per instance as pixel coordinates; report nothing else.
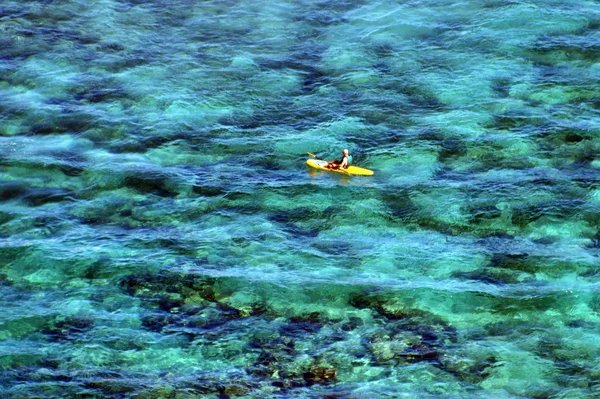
(312, 155)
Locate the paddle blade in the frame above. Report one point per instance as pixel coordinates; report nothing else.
(312, 155)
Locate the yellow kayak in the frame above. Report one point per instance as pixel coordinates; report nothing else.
(351, 170)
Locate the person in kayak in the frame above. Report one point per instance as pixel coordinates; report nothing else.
(339, 164)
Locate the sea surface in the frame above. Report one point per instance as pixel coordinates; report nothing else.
(161, 236)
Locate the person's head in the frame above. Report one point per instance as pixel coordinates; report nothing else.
(345, 152)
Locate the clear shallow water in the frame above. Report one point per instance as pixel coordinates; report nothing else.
(163, 238)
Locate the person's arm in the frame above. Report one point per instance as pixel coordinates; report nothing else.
(344, 163)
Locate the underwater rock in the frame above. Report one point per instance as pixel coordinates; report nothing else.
(5, 281)
(150, 184)
(212, 384)
(165, 391)
(93, 89)
(594, 302)
(406, 335)
(401, 205)
(574, 138)
(595, 241)
(235, 389)
(300, 328)
(156, 322)
(99, 95)
(483, 276)
(44, 195)
(336, 247)
(320, 375)
(269, 162)
(525, 214)
(10, 253)
(290, 218)
(48, 375)
(141, 144)
(182, 305)
(126, 213)
(501, 87)
(69, 329)
(452, 148)
(71, 170)
(429, 134)
(174, 245)
(421, 352)
(170, 302)
(419, 97)
(572, 47)
(111, 47)
(391, 346)
(352, 324)
(294, 215)
(314, 375)
(512, 120)
(149, 285)
(321, 18)
(12, 189)
(113, 387)
(484, 214)
(372, 139)
(64, 124)
(287, 383)
(207, 191)
(514, 261)
(469, 369)
(313, 79)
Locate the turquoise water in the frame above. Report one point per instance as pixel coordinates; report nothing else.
(162, 237)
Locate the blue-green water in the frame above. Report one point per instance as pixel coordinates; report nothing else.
(162, 237)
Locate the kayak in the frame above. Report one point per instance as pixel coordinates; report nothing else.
(351, 170)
